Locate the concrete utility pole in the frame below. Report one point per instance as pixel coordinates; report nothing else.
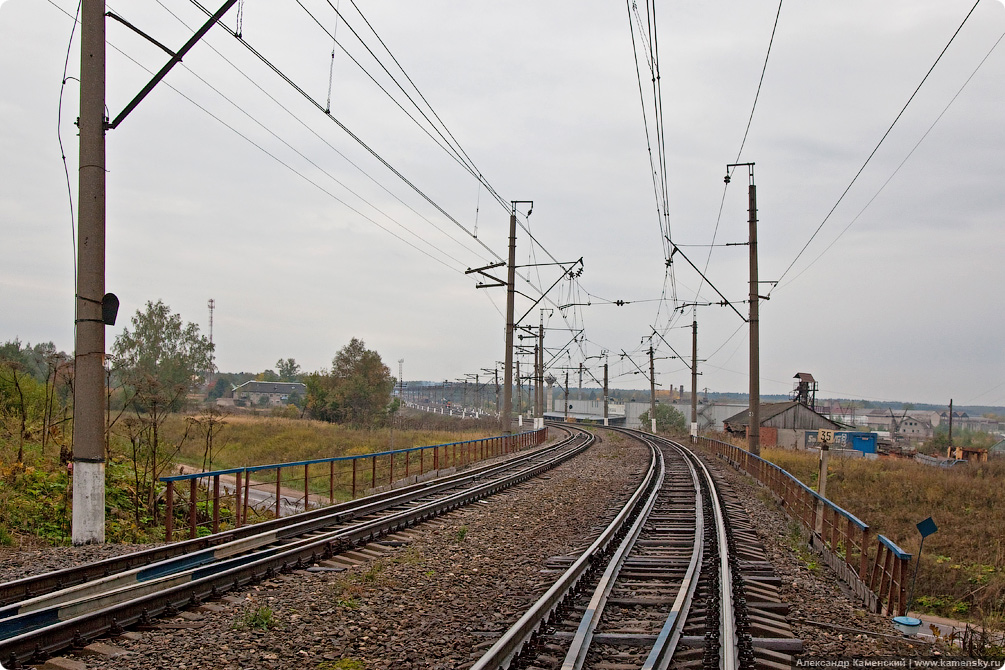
(754, 440)
(507, 408)
(694, 376)
(566, 395)
(88, 522)
(540, 363)
(605, 394)
(519, 390)
(652, 389)
(507, 411)
(950, 423)
(537, 381)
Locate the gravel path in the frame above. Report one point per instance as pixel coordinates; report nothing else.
(440, 600)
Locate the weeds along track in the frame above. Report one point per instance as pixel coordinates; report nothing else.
(678, 579)
(47, 613)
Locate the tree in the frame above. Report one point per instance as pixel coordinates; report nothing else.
(357, 390)
(221, 388)
(668, 419)
(289, 370)
(160, 361)
(32, 380)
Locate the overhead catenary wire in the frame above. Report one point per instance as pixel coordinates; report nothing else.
(268, 130)
(370, 150)
(743, 142)
(316, 104)
(902, 163)
(457, 144)
(878, 145)
(442, 144)
(345, 129)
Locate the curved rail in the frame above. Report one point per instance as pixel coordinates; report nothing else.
(36, 585)
(60, 619)
(502, 653)
(628, 525)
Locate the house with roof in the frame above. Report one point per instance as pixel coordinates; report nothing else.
(270, 394)
(783, 424)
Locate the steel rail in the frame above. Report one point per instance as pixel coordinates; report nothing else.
(502, 653)
(669, 636)
(57, 636)
(728, 634)
(154, 573)
(576, 657)
(667, 640)
(33, 586)
(510, 645)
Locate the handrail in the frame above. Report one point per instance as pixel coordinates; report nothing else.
(345, 480)
(878, 576)
(290, 464)
(897, 551)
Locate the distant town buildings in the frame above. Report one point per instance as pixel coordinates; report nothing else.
(271, 394)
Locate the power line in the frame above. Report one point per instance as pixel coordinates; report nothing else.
(878, 144)
(59, 138)
(760, 82)
(341, 125)
(370, 150)
(319, 137)
(291, 168)
(743, 142)
(470, 162)
(906, 158)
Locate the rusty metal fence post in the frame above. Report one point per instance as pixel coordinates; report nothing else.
(192, 506)
(169, 518)
(216, 503)
(237, 500)
(279, 489)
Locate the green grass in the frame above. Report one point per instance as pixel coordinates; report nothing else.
(35, 501)
(260, 618)
(342, 664)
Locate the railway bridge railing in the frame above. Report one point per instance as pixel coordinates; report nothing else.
(239, 496)
(872, 565)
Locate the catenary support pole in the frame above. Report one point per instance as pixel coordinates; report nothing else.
(507, 409)
(694, 377)
(652, 390)
(606, 422)
(754, 431)
(88, 521)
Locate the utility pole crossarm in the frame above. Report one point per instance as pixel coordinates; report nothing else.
(482, 272)
(565, 273)
(175, 59)
(725, 300)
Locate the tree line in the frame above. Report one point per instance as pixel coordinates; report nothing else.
(153, 368)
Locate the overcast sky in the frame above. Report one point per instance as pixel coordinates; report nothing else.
(226, 183)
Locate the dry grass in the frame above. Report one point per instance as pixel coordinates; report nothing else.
(963, 566)
(250, 440)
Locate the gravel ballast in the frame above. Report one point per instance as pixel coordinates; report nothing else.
(445, 594)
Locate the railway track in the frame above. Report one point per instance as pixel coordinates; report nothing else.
(678, 579)
(44, 614)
